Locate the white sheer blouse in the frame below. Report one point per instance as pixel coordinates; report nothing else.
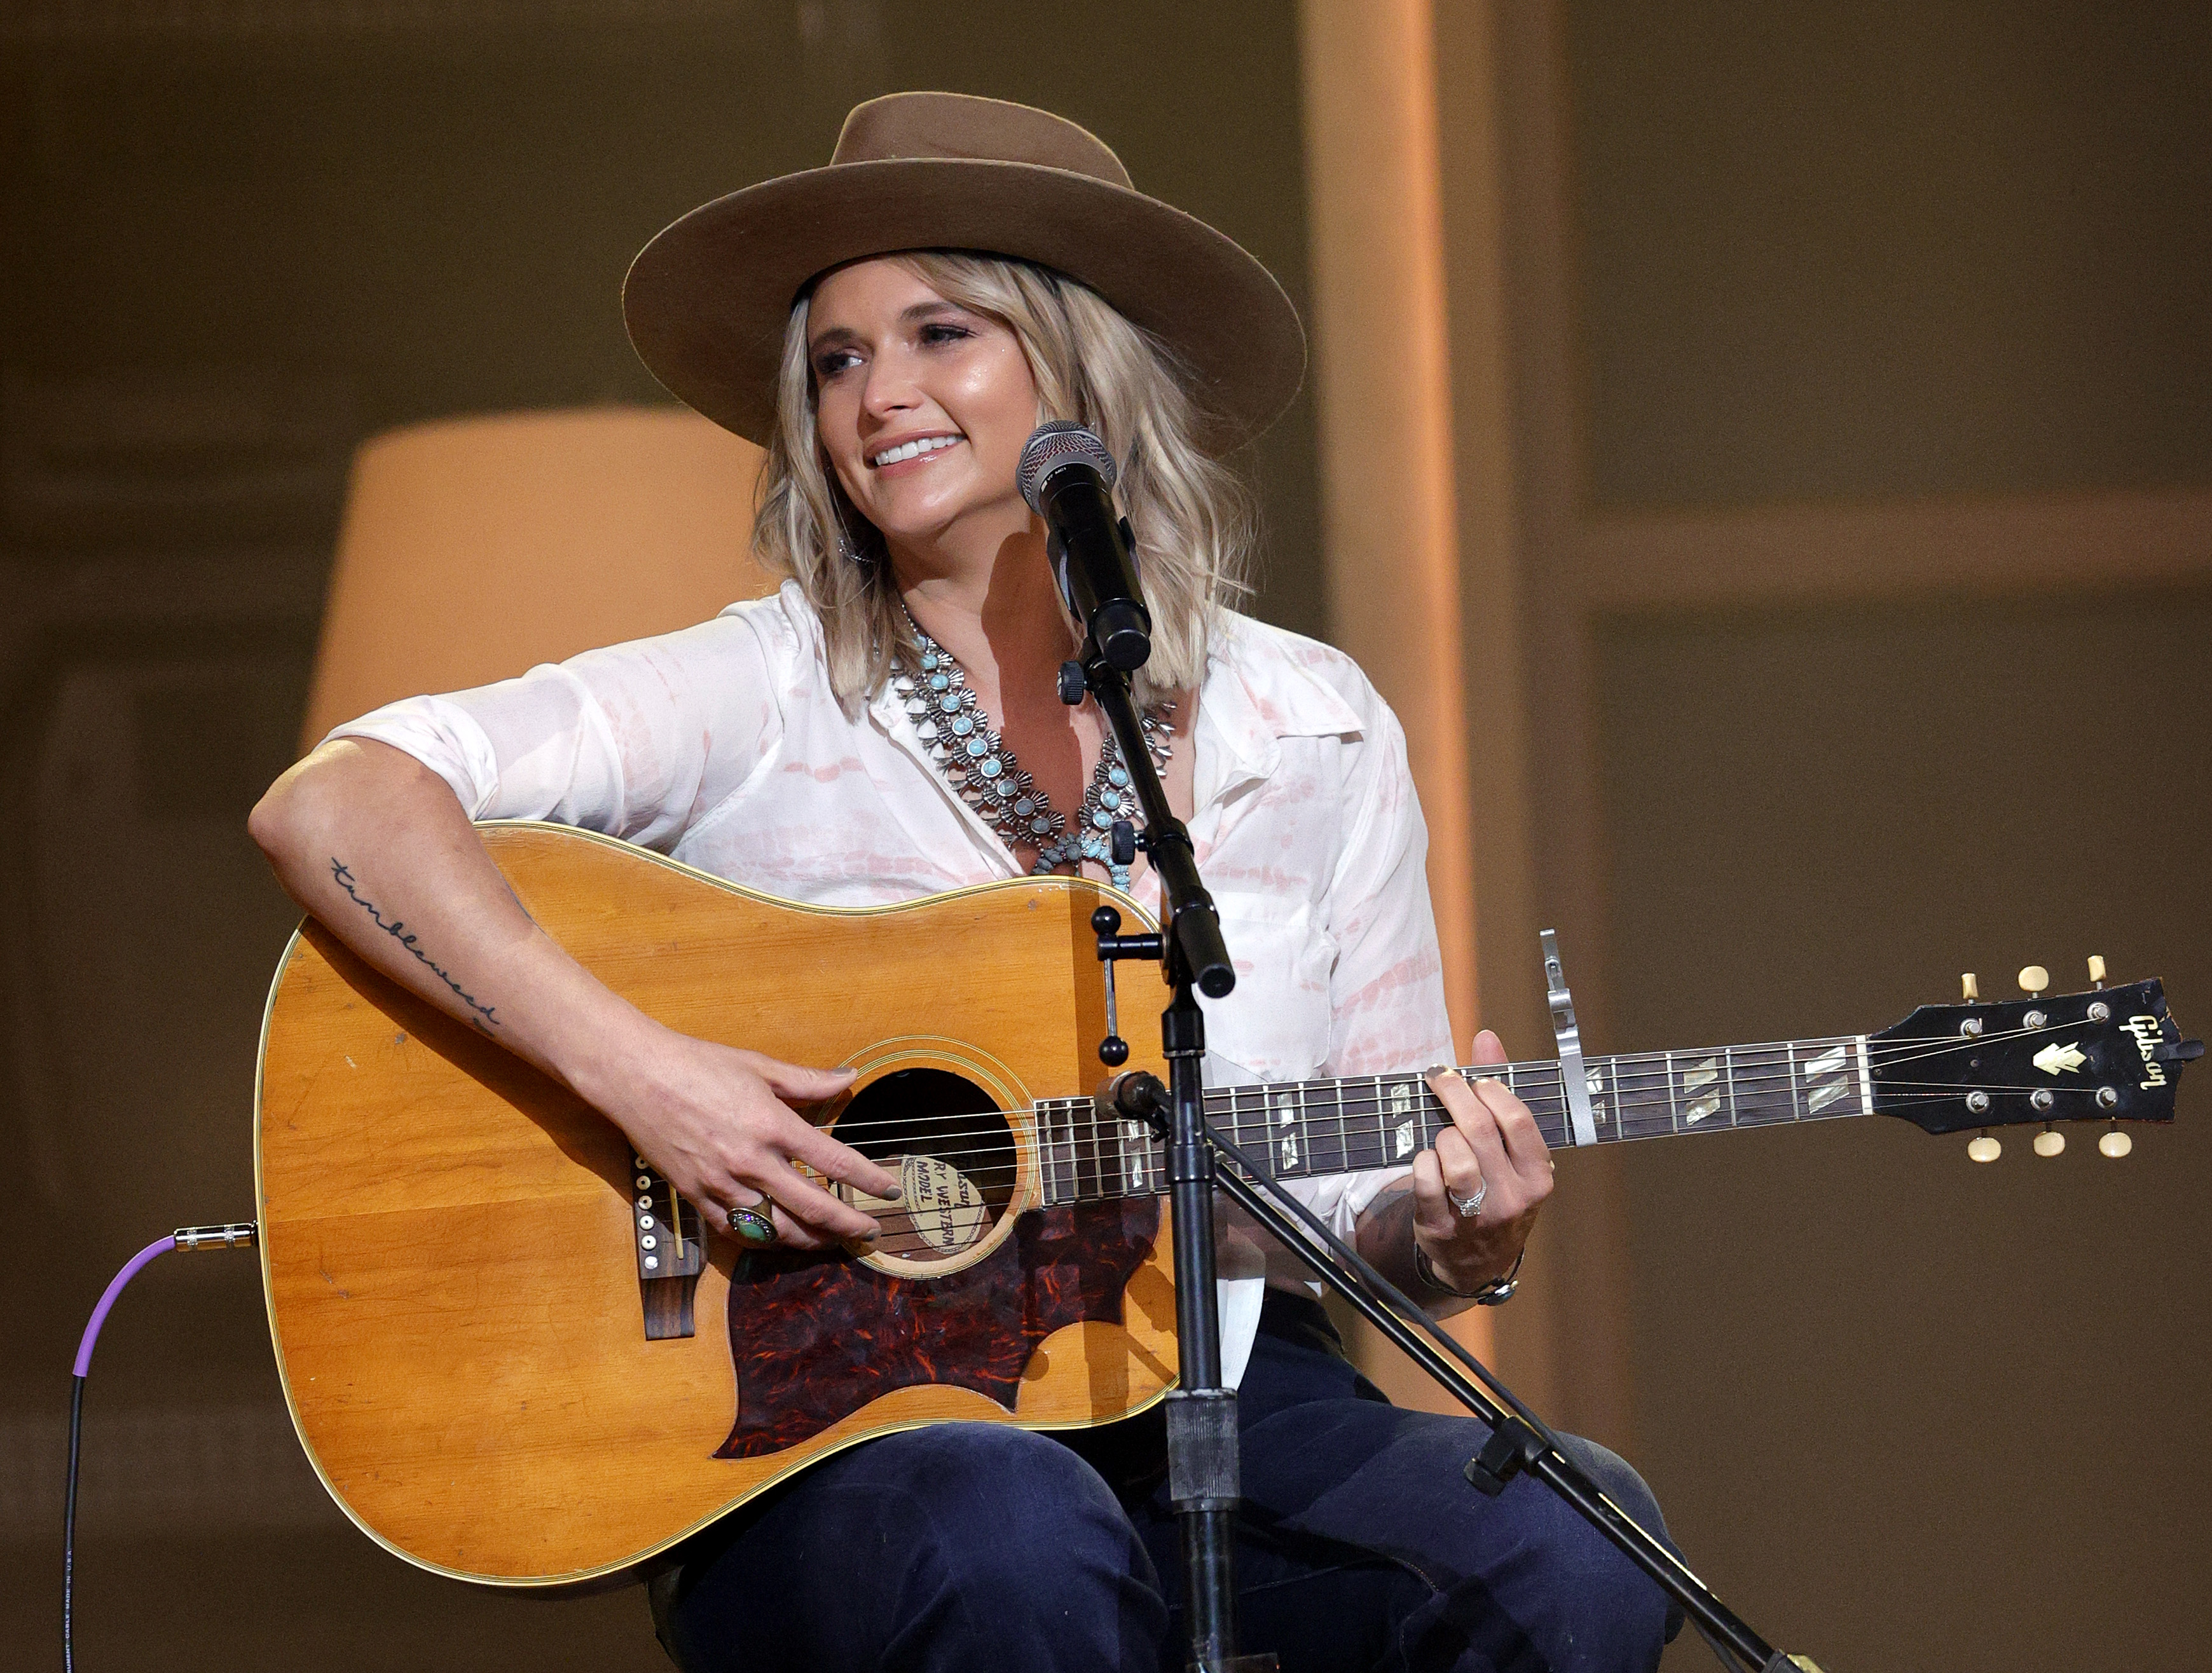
(724, 747)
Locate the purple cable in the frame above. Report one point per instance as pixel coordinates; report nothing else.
(132, 1267)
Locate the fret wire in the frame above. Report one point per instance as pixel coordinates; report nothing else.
(1727, 1079)
(1044, 1153)
(1051, 1147)
(1343, 1135)
(1074, 1184)
(1074, 1156)
(1111, 1131)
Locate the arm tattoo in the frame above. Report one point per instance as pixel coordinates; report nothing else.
(481, 1015)
(1387, 1234)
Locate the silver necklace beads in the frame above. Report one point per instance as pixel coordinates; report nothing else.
(984, 772)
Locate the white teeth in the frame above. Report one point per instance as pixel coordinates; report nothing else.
(912, 450)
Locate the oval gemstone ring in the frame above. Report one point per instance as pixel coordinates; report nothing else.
(752, 1225)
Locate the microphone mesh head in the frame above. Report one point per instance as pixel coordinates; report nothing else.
(1058, 443)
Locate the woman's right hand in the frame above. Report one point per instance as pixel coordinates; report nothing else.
(718, 1124)
(369, 840)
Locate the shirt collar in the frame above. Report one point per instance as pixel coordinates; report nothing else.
(1262, 687)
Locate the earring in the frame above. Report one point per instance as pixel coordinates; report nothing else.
(846, 547)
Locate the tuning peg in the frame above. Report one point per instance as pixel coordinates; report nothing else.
(2050, 1142)
(1968, 987)
(2034, 979)
(2115, 1142)
(2096, 970)
(1983, 1148)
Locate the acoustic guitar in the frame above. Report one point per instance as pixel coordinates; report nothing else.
(514, 1357)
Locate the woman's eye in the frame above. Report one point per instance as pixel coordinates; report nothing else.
(830, 364)
(941, 333)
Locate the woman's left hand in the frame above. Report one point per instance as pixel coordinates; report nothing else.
(1493, 1153)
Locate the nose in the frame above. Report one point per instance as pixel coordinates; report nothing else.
(890, 389)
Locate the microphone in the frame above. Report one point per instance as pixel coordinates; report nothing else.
(1067, 476)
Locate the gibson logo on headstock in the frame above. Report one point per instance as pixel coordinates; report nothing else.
(2149, 1035)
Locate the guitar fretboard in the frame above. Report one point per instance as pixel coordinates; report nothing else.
(1312, 1129)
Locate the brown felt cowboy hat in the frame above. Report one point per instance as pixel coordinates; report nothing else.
(708, 300)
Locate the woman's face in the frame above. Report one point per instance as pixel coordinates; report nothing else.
(923, 406)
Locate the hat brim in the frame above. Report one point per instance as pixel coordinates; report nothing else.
(708, 300)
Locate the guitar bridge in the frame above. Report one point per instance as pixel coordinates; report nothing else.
(672, 1250)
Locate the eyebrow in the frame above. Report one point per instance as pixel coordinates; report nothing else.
(919, 312)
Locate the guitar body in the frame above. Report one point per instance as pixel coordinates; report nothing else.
(457, 1280)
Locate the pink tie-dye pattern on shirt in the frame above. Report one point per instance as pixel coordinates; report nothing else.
(723, 746)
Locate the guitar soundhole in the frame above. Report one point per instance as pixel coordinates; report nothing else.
(955, 1157)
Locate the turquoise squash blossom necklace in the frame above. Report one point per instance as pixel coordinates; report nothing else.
(983, 771)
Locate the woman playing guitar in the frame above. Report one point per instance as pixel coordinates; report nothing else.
(892, 328)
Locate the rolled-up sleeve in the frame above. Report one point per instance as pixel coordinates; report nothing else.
(633, 741)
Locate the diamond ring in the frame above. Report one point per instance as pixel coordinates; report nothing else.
(1466, 1208)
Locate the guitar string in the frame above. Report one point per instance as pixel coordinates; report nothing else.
(1660, 1089)
(1101, 1150)
(1637, 1071)
(1100, 1165)
(989, 1161)
(1097, 1164)
(1658, 1105)
(887, 1138)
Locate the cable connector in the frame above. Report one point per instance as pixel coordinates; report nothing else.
(239, 1235)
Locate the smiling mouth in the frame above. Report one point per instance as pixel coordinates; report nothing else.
(911, 450)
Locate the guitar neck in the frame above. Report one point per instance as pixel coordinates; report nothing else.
(1301, 1130)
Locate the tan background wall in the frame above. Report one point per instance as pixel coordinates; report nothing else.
(1856, 547)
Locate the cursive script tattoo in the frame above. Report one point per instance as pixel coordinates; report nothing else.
(481, 1015)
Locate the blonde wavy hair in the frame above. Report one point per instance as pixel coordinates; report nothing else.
(1194, 519)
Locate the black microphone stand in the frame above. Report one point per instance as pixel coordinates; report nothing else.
(1203, 1471)
(1203, 1467)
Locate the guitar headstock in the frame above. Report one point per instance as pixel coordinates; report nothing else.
(2107, 1056)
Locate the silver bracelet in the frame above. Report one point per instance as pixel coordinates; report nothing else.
(1495, 1293)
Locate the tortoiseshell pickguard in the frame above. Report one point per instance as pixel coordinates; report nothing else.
(817, 1337)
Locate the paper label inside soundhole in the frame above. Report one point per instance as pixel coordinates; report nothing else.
(945, 1209)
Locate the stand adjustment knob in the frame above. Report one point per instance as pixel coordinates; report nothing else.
(1122, 842)
(1072, 686)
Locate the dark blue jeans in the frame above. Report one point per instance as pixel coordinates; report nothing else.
(971, 1546)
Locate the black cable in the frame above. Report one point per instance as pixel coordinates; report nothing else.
(238, 1234)
(68, 1523)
